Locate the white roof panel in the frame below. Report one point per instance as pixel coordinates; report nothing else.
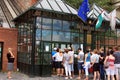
(72, 9)
(45, 5)
(38, 6)
(54, 5)
(98, 10)
(63, 7)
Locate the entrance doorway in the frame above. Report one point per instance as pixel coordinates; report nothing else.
(1, 53)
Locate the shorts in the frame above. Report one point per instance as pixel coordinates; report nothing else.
(59, 64)
(72, 67)
(117, 69)
(80, 65)
(110, 71)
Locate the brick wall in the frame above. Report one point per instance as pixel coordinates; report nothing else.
(9, 38)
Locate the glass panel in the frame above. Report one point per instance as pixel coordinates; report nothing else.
(45, 4)
(57, 24)
(38, 22)
(61, 36)
(38, 34)
(75, 47)
(63, 7)
(54, 5)
(81, 38)
(72, 9)
(66, 25)
(47, 23)
(46, 35)
(75, 37)
(47, 47)
(63, 46)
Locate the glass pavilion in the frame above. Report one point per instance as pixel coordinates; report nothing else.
(49, 24)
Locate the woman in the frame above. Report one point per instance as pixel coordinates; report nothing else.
(67, 66)
(59, 62)
(95, 63)
(71, 52)
(10, 58)
(87, 64)
(110, 59)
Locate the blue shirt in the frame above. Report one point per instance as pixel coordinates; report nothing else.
(53, 53)
(88, 57)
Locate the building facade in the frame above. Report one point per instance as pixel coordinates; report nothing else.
(8, 39)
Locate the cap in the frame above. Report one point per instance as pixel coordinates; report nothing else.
(69, 48)
(55, 48)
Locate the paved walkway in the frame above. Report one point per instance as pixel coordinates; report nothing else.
(21, 76)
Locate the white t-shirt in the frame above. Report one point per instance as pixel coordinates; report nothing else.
(81, 54)
(66, 57)
(96, 57)
(58, 57)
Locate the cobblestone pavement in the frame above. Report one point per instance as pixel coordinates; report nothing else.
(21, 76)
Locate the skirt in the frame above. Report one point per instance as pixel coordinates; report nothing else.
(10, 66)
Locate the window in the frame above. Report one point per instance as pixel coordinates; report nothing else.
(66, 25)
(46, 35)
(38, 34)
(57, 24)
(61, 36)
(47, 23)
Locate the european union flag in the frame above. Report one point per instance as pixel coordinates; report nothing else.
(83, 9)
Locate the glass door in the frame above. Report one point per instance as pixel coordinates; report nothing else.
(1, 48)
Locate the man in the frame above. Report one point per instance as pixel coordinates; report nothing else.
(53, 60)
(101, 61)
(80, 58)
(117, 62)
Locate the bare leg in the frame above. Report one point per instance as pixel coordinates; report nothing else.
(113, 77)
(58, 71)
(9, 74)
(98, 74)
(79, 75)
(62, 72)
(108, 76)
(95, 75)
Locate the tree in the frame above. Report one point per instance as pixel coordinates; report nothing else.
(105, 4)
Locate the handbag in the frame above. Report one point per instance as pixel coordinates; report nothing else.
(106, 65)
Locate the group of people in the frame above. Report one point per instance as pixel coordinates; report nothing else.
(103, 63)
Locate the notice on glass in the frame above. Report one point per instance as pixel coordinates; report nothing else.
(47, 48)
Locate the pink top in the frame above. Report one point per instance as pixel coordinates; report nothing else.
(111, 63)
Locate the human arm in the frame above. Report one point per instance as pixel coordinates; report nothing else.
(11, 54)
(106, 59)
(85, 58)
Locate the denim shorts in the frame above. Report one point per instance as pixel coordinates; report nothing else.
(80, 65)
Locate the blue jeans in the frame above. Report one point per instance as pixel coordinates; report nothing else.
(102, 72)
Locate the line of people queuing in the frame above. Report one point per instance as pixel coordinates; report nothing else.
(101, 63)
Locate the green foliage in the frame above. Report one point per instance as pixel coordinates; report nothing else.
(105, 4)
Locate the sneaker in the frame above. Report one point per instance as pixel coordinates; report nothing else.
(66, 77)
